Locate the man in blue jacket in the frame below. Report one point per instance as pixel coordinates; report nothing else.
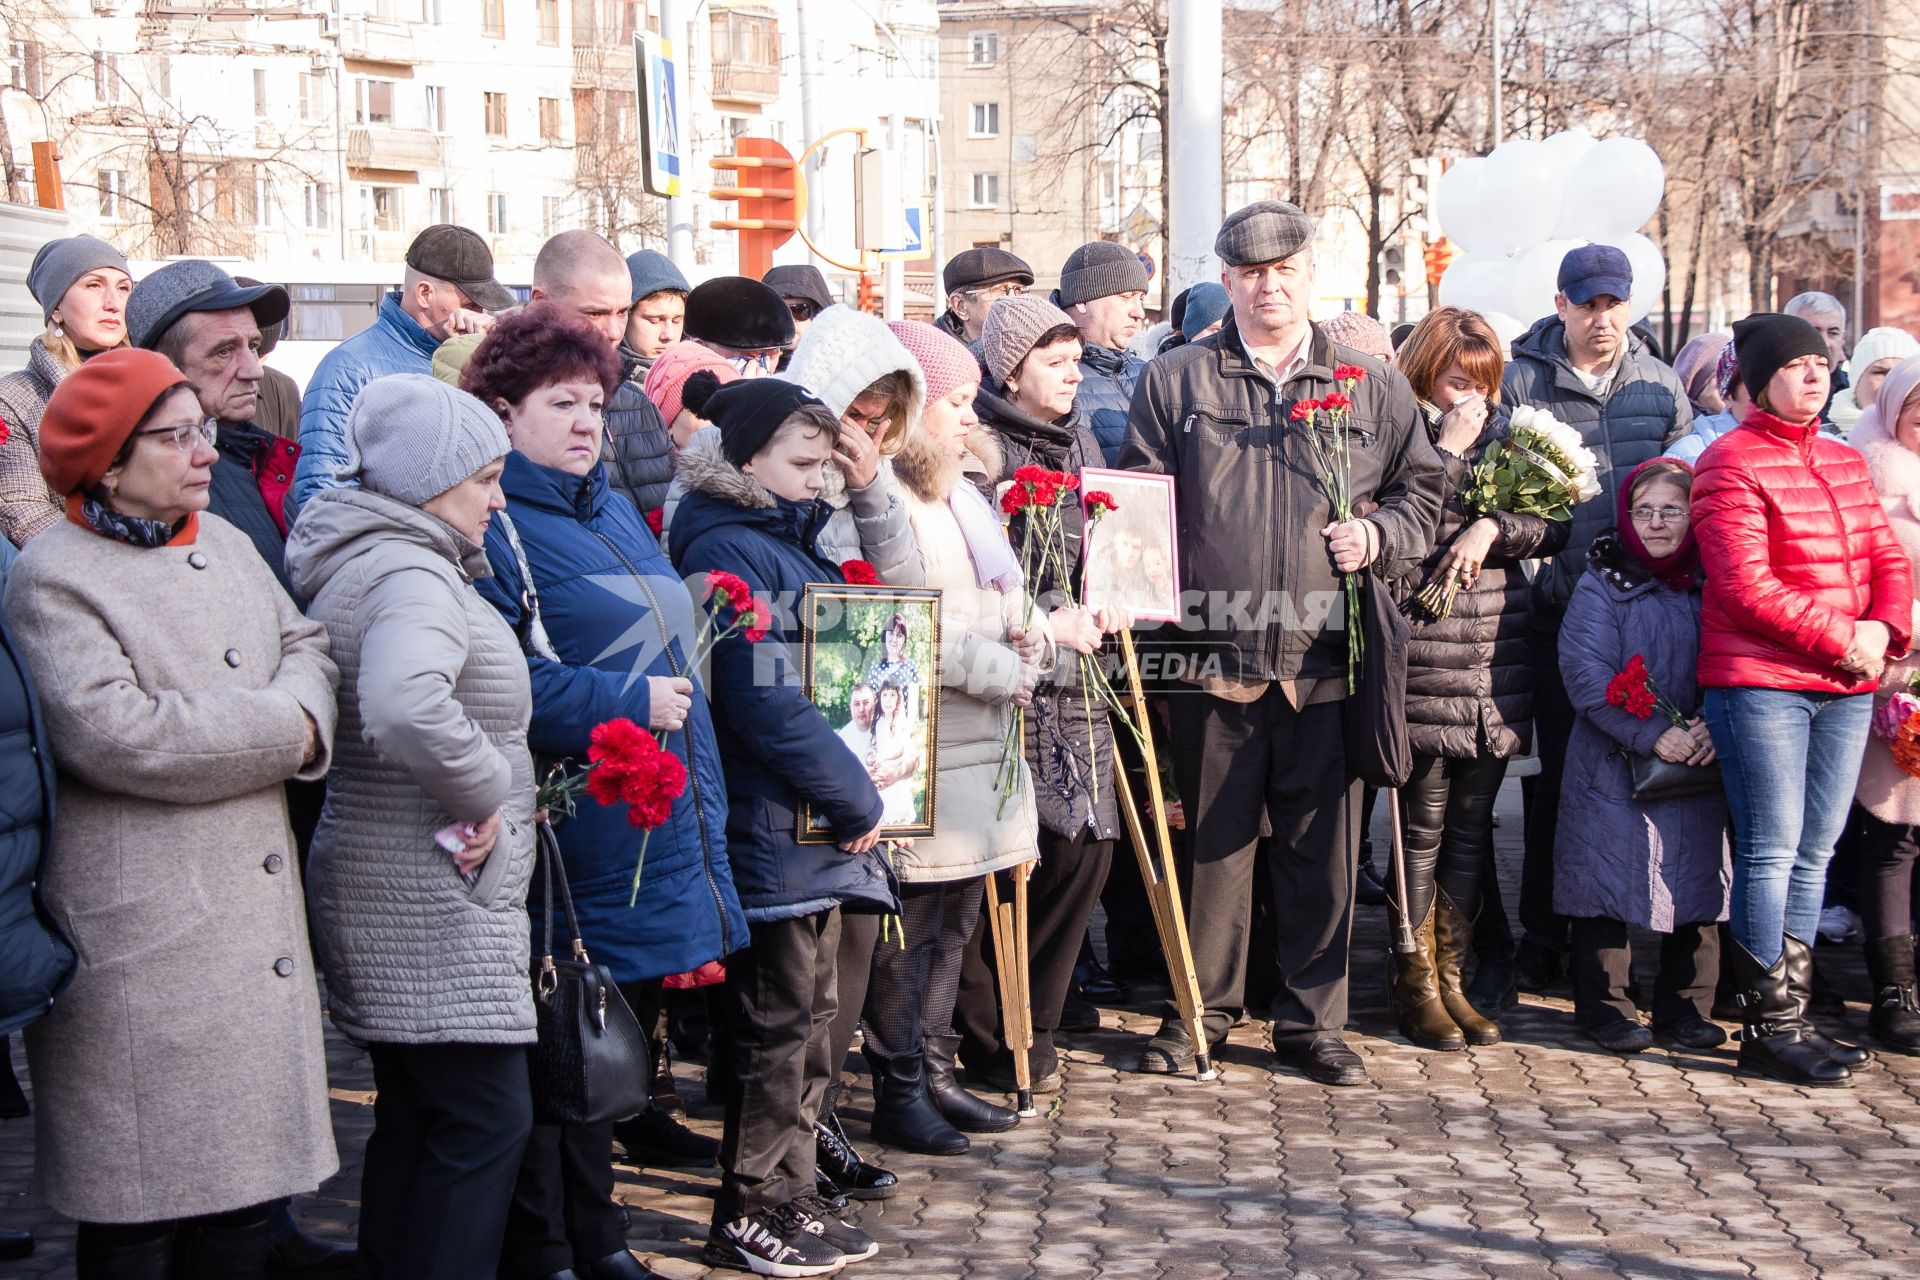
(448, 288)
(1103, 288)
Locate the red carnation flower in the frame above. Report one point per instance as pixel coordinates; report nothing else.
(756, 617)
(656, 519)
(859, 573)
(1099, 502)
(1337, 402)
(1030, 474)
(725, 588)
(1013, 500)
(1066, 480)
(613, 756)
(1349, 373)
(1305, 409)
(5, 430)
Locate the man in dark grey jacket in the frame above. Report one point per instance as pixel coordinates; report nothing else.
(1583, 366)
(1259, 736)
(1103, 287)
(582, 272)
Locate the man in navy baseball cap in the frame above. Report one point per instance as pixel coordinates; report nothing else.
(1594, 269)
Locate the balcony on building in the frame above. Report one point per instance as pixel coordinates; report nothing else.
(746, 54)
(369, 39)
(382, 146)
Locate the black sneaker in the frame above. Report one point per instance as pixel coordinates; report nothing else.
(773, 1242)
(856, 1244)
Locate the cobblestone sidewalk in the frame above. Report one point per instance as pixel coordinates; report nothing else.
(1542, 1156)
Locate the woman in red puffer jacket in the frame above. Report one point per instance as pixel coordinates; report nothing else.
(1807, 596)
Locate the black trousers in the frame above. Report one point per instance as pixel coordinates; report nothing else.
(914, 987)
(853, 965)
(563, 1210)
(1888, 853)
(1602, 964)
(1060, 899)
(1552, 726)
(1237, 762)
(450, 1122)
(1447, 816)
(91, 1239)
(779, 1015)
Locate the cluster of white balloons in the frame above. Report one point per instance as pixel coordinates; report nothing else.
(1518, 211)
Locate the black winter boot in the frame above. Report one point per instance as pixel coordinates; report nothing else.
(962, 1109)
(838, 1161)
(1799, 958)
(903, 1112)
(1895, 1019)
(1773, 1041)
(148, 1258)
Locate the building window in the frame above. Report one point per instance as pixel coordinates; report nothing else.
(260, 111)
(496, 110)
(497, 212)
(263, 202)
(26, 67)
(983, 48)
(106, 77)
(553, 214)
(382, 207)
(985, 118)
(316, 204)
(547, 13)
(440, 204)
(493, 19)
(373, 102)
(983, 191)
(436, 99)
(550, 119)
(113, 194)
(313, 89)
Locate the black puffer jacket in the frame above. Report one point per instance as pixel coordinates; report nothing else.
(35, 961)
(1069, 741)
(1645, 408)
(1470, 674)
(640, 459)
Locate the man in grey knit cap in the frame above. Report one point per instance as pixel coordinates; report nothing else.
(1103, 290)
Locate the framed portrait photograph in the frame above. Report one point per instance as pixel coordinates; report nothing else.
(871, 667)
(1132, 551)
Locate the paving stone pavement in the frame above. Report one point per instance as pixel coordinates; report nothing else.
(1540, 1157)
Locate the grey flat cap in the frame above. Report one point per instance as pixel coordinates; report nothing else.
(1265, 231)
(194, 284)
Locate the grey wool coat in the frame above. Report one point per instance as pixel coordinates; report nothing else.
(1656, 864)
(434, 704)
(182, 1073)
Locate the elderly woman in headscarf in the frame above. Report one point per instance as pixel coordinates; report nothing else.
(1873, 358)
(181, 1079)
(1888, 437)
(1696, 365)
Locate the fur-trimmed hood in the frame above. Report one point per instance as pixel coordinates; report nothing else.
(914, 465)
(1895, 472)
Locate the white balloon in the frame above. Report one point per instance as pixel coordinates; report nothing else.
(1521, 191)
(1504, 327)
(1649, 275)
(1570, 144)
(1456, 207)
(1477, 282)
(1536, 278)
(1613, 190)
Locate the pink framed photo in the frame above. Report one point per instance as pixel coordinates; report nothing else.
(1132, 551)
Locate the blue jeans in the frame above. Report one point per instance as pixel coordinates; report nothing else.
(1790, 761)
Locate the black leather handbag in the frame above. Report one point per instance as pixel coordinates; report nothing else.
(1373, 718)
(1655, 779)
(590, 1065)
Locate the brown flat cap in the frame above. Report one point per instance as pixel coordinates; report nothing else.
(1265, 231)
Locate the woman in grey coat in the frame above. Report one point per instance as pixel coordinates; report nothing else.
(180, 1081)
(425, 947)
(1661, 864)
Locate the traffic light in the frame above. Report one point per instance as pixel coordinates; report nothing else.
(769, 213)
(1440, 255)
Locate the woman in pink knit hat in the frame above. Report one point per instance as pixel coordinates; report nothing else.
(667, 380)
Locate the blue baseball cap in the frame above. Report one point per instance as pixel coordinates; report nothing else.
(1594, 269)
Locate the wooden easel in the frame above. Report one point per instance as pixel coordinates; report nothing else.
(1008, 921)
(1160, 875)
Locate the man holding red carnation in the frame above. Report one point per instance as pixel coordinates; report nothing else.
(1258, 736)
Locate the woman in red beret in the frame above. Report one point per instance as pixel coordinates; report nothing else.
(181, 1084)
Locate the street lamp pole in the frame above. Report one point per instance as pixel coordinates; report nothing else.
(1499, 110)
(1194, 57)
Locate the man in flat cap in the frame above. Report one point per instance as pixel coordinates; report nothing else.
(1257, 732)
(973, 279)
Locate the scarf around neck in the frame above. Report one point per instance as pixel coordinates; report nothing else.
(994, 564)
(1677, 569)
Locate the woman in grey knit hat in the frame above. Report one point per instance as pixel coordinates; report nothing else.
(81, 284)
(424, 944)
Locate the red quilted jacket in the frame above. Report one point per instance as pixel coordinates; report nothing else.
(1796, 550)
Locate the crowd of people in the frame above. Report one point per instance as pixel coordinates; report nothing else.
(284, 694)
